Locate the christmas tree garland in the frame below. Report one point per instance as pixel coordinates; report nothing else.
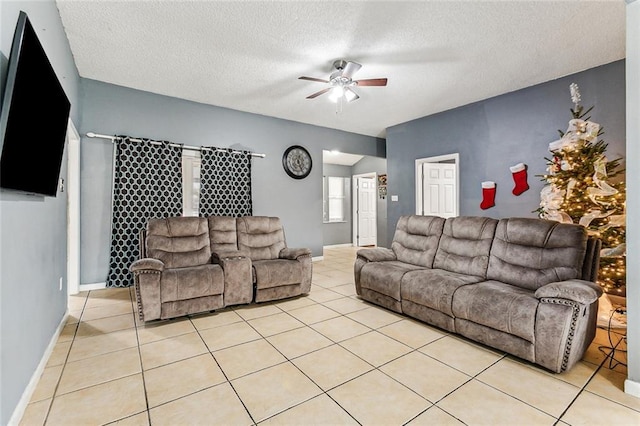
(579, 190)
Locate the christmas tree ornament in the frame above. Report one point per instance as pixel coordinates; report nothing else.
(488, 195)
(519, 173)
(575, 94)
(584, 187)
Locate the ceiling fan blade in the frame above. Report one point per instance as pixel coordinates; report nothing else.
(372, 82)
(350, 94)
(321, 92)
(319, 80)
(350, 69)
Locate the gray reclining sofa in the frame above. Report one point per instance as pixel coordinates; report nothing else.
(523, 286)
(192, 264)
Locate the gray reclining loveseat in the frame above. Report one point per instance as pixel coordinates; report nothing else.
(192, 264)
(524, 286)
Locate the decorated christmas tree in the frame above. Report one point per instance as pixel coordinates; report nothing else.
(584, 187)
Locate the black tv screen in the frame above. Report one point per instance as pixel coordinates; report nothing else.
(35, 112)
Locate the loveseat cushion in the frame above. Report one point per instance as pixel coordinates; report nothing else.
(434, 288)
(277, 272)
(179, 241)
(465, 245)
(497, 305)
(416, 239)
(260, 237)
(385, 277)
(223, 235)
(191, 282)
(530, 253)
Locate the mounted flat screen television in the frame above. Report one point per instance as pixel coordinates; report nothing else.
(34, 116)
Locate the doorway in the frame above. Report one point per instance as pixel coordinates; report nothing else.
(73, 209)
(437, 182)
(365, 223)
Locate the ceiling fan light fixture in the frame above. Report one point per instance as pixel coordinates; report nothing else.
(341, 83)
(336, 93)
(350, 95)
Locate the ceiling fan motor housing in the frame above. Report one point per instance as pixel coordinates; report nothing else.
(339, 64)
(337, 79)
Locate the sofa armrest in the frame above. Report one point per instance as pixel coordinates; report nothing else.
(364, 256)
(378, 254)
(147, 264)
(294, 253)
(584, 292)
(147, 274)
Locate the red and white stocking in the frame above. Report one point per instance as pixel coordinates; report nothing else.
(488, 195)
(519, 172)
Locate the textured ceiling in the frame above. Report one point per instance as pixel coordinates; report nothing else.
(247, 55)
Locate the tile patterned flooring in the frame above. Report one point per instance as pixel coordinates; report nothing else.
(326, 358)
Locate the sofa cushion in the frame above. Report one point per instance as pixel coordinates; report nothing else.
(465, 245)
(223, 235)
(500, 306)
(530, 253)
(191, 282)
(434, 288)
(416, 239)
(277, 272)
(260, 237)
(385, 277)
(179, 241)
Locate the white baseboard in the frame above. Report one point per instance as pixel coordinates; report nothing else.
(632, 388)
(317, 258)
(35, 377)
(93, 286)
(338, 245)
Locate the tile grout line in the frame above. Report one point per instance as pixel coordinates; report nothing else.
(591, 377)
(144, 386)
(66, 359)
(222, 370)
(290, 361)
(142, 369)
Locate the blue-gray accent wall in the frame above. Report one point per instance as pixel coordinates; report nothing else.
(494, 134)
(111, 109)
(33, 251)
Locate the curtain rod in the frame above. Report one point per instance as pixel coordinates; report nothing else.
(190, 147)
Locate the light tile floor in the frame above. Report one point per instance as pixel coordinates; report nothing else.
(325, 358)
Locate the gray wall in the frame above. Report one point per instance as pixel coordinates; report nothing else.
(111, 109)
(339, 232)
(496, 133)
(33, 250)
(378, 165)
(632, 385)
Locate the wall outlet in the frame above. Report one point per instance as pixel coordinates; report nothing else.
(60, 286)
(394, 198)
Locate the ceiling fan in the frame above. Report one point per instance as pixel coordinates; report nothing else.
(342, 83)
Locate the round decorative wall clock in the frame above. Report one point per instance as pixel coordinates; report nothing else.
(296, 161)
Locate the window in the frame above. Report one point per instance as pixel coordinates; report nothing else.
(190, 182)
(335, 194)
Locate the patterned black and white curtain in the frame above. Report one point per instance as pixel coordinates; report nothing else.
(147, 184)
(225, 183)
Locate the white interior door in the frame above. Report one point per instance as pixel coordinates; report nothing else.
(366, 212)
(439, 196)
